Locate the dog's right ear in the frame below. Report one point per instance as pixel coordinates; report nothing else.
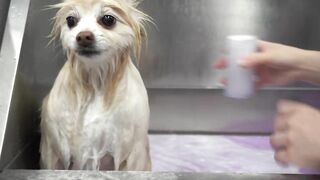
(58, 21)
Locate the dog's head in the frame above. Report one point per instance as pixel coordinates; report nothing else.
(98, 30)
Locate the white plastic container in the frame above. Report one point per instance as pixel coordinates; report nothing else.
(241, 81)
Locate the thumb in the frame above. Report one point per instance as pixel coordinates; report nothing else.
(255, 59)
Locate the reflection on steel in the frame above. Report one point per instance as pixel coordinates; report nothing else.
(39, 175)
(190, 35)
(9, 55)
(4, 4)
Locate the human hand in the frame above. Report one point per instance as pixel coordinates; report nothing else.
(296, 137)
(274, 64)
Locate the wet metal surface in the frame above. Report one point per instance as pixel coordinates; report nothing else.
(12, 139)
(190, 34)
(4, 4)
(94, 175)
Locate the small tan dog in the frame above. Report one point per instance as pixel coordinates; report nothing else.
(96, 116)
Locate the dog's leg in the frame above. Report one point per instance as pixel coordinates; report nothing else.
(49, 159)
(54, 149)
(138, 160)
(104, 164)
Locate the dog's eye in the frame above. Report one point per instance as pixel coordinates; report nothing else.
(108, 21)
(71, 21)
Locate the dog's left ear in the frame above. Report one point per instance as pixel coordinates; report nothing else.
(138, 22)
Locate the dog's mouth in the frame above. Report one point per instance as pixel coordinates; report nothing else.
(87, 51)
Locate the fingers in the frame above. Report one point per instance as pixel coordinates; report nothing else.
(279, 141)
(263, 76)
(263, 56)
(220, 64)
(281, 144)
(280, 124)
(224, 81)
(282, 156)
(255, 59)
(286, 110)
(286, 107)
(263, 45)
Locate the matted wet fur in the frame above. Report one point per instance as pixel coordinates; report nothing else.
(96, 115)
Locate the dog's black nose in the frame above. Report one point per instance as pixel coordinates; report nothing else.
(85, 38)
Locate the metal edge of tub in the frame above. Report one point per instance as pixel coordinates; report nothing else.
(92, 175)
(9, 58)
(4, 6)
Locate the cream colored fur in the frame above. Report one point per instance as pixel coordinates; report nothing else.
(96, 115)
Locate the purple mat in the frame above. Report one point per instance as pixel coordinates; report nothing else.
(205, 153)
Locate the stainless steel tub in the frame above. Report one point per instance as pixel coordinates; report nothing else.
(176, 67)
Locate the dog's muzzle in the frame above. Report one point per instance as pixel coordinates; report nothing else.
(86, 44)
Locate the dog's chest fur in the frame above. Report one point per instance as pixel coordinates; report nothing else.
(85, 134)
